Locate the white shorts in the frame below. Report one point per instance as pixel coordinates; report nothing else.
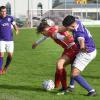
(83, 59)
(7, 46)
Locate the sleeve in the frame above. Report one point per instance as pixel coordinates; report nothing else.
(80, 34)
(80, 26)
(59, 36)
(41, 39)
(13, 20)
(79, 31)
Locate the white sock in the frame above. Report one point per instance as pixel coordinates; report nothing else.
(92, 90)
(72, 86)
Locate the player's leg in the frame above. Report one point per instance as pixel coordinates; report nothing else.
(77, 77)
(60, 75)
(8, 61)
(67, 57)
(72, 82)
(81, 61)
(71, 53)
(10, 48)
(2, 50)
(1, 61)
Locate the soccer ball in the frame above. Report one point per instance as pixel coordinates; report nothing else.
(48, 85)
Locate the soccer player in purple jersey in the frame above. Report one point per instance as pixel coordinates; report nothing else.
(87, 50)
(6, 38)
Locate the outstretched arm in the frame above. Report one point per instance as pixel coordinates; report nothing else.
(15, 27)
(35, 44)
(57, 33)
(62, 29)
(62, 37)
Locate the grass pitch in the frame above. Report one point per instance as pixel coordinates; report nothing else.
(30, 68)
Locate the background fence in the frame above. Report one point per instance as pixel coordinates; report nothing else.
(88, 13)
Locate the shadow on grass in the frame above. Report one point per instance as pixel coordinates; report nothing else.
(91, 76)
(26, 88)
(19, 87)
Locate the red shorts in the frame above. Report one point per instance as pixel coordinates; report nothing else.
(71, 52)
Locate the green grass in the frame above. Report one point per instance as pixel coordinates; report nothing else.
(30, 68)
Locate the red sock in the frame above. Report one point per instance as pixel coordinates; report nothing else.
(57, 79)
(60, 76)
(64, 79)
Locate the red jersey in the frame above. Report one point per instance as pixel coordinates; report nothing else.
(63, 43)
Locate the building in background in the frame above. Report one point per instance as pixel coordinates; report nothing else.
(29, 10)
(9, 4)
(21, 7)
(81, 1)
(40, 6)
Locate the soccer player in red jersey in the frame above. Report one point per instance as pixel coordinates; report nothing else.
(66, 41)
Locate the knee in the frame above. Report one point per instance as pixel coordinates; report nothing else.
(10, 56)
(60, 65)
(75, 72)
(1, 54)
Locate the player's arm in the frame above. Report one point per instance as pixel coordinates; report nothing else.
(56, 34)
(59, 36)
(35, 44)
(62, 29)
(15, 27)
(81, 41)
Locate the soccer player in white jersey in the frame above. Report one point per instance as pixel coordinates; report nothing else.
(87, 50)
(6, 38)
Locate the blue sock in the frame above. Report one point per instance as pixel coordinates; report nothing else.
(83, 82)
(1, 62)
(72, 81)
(8, 61)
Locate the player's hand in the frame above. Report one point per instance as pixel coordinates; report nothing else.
(17, 32)
(34, 45)
(84, 50)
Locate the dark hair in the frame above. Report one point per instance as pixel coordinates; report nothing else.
(68, 20)
(41, 27)
(2, 7)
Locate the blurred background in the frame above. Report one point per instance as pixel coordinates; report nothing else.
(28, 13)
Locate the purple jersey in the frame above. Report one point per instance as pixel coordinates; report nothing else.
(81, 31)
(6, 33)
